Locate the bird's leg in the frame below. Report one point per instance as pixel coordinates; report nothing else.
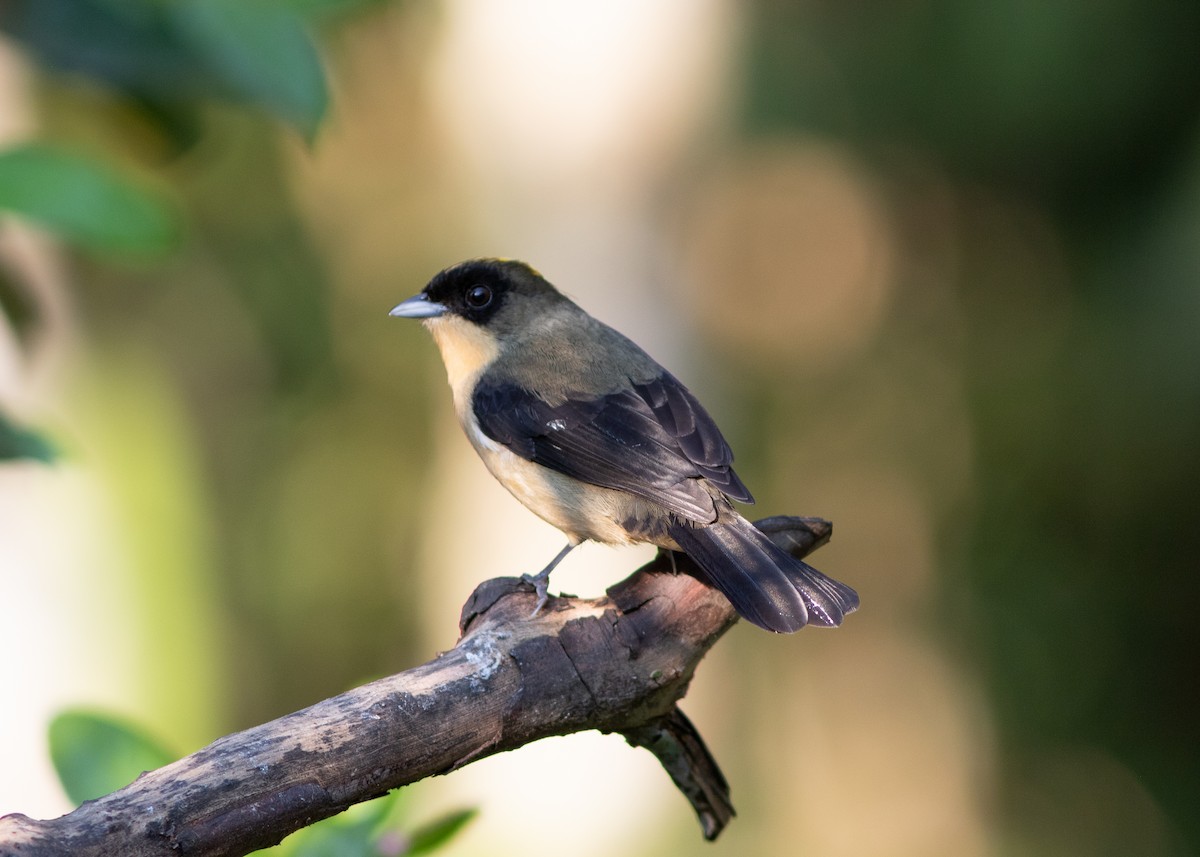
(541, 580)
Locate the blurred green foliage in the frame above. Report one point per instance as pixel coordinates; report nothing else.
(161, 160)
(18, 442)
(373, 829)
(1076, 104)
(166, 59)
(262, 51)
(1068, 135)
(85, 201)
(96, 753)
(170, 57)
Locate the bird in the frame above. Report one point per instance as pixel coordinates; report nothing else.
(591, 434)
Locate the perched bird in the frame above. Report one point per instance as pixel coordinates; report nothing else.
(595, 437)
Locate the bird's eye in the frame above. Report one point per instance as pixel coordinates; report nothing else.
(479, 296)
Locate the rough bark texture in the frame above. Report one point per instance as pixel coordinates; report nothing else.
(616, 664)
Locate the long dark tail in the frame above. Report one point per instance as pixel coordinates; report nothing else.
(765, 584)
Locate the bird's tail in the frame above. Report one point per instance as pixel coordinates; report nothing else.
(765, 584)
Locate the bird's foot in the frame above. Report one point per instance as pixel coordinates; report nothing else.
(541, 585)
(541, 580)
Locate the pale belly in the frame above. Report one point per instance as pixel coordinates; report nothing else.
(583, 512)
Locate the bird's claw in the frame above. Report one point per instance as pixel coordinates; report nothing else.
(541, 585)
(541, 580)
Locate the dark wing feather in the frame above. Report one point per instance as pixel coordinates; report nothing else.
(639, 440)
(682, 416)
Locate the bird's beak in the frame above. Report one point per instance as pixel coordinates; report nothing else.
(418, 306)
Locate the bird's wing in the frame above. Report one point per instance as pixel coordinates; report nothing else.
(684, 419)
(653, 440)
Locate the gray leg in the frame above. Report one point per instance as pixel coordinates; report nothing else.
(541, 580)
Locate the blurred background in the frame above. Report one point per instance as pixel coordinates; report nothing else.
(933, 265)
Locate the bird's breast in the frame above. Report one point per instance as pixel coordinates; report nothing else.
(581, 510)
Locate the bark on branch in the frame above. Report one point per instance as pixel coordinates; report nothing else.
(616, 664)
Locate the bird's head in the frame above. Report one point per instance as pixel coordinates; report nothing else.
(481, 308)
(502, 295)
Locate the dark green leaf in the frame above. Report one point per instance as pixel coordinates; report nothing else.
(17, 303)
(352, 834)
(263, 51)
(329, 838)
(130, 45)
(95, 754)
(434, 835)
(16, 442)
(166, 58)
(84, 201)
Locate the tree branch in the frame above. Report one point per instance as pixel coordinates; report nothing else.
(616, 664)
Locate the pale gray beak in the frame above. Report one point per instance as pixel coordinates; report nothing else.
(418, 306)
